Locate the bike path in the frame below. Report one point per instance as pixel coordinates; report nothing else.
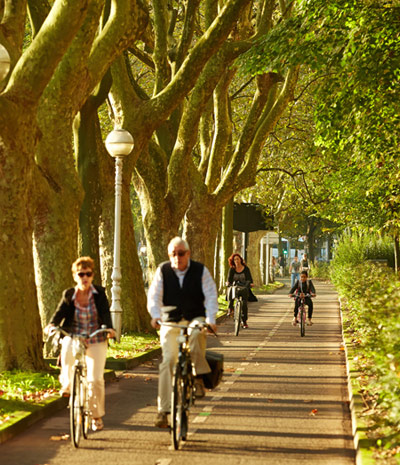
(283, 399)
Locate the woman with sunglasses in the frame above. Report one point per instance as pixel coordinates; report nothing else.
(82, 310)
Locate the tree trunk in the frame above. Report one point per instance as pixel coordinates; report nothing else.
(226, 243)
(253, 255)
(311, 226)
(396, 252)
(56, 223)
(20, 328)
(87, 134)
(202, 222)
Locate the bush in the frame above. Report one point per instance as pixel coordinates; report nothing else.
(320, 270)
(353, 249)
(372, 296)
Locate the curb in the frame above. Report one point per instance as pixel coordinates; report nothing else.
(353, 398)
(58, 403)
(42, 412)
(129, 363)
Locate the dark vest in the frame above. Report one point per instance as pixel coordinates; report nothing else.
(189, 299)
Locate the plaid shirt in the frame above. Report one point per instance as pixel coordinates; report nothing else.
(86, 320)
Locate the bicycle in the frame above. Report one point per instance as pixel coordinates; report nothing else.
(79, 412)
(237, 293)
(183, 383)
(302, 313)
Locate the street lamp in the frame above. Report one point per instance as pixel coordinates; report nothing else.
(4, 62)
(119, 143)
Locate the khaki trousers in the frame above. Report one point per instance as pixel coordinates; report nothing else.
(95, 361)
(170, 348)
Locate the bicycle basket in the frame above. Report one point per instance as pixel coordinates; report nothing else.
(78, 348)
(216, 362)
(239, 291)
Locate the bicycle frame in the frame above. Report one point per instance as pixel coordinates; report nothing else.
(78, 400)
(238, 308)
(302, 315)
(183, 395)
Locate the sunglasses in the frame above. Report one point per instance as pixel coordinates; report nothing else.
(81, 274)
(180, 253)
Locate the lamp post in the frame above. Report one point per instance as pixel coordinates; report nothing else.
(119, 143)
(4, 62)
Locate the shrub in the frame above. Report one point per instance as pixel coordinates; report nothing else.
(320, 270)
(372, 295)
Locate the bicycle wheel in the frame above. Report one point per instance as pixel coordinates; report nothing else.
(75, 407)
(179, 425)
(238, 315)
(302, 321)
(85, 409)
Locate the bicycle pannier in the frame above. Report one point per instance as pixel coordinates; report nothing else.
(216, 362)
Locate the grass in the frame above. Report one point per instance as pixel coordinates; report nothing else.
(133, 344)
(22, 392)
(268, 288)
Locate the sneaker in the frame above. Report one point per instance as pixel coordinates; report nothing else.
(161, 420)
(199, 389)
(309, 322)
(245, 326)
(97, 424)
(294, 322)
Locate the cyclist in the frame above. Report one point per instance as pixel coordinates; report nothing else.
(294, 270)
(301, 287)
(240, 272)
(305, 263)
(188, 288)
(82, 310)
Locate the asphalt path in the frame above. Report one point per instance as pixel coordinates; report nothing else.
(283, 400)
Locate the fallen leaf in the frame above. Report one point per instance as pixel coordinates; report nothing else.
(62, 437)
(313, 412)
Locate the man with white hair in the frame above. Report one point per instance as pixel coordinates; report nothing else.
(187, 285)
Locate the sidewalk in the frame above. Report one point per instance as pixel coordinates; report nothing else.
(283, 399)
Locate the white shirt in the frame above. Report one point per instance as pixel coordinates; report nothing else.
(156, 291)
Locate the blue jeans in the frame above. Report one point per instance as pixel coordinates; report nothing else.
(295, 277)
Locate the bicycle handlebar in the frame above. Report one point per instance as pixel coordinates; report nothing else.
(199, 325)
(57, 329)
(298, 295)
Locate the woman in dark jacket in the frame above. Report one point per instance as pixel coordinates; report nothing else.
(239, 272)
(82, 310)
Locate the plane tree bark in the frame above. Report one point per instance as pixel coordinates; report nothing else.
(156, 162)
(20, 329)
(94, 48)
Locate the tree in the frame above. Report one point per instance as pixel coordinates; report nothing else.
(56, 233)
(355, 48)
(20, 330)
(191, 168)
(161, 175)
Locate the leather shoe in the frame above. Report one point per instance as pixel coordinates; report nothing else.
(161, 420)
(199, 389)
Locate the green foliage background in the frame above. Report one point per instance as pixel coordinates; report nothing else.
(370, 301)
